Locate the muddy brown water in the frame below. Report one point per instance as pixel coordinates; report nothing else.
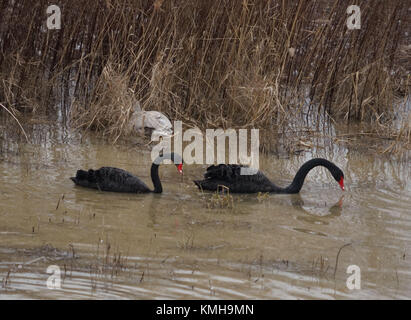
(182, 245)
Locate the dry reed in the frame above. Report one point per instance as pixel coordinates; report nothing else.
(208, 63)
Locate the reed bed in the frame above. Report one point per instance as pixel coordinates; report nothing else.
(253, 63)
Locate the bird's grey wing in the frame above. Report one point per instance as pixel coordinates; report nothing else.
(157, 120)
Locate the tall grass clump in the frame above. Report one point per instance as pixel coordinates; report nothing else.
(208, 63)
(111, 106)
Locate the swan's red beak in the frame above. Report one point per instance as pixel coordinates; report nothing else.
(180, 168)
(341, 182)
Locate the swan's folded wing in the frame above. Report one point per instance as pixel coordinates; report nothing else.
(119, 180)
(223, 172)
(230, 176)
(233, 173)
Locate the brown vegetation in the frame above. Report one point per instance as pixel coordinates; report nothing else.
(209, 63)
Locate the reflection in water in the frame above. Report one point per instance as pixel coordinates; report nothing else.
(313, 214)
(112, 245)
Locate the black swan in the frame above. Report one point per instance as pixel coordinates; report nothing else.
(230, 177)
(119, 180)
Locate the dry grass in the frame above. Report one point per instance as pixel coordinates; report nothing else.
(208, 63)
(221, 199)
(111, 108)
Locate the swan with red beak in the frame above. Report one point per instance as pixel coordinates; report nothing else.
(230, 176)
(119, 180)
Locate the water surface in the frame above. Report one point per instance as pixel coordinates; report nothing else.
(181, 245)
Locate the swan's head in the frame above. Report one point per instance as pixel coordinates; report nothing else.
(178, 161)
(175, 157)
(339, 177)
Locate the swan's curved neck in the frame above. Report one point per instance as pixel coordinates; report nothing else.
(299, 178)
(158, 188)
(154, 169)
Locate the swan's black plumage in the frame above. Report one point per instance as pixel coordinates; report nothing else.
(110, 179)
(230, 176)
(119, 180)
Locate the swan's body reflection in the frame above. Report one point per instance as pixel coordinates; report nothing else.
(312, 218)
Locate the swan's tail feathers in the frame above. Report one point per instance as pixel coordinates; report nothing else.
(85, 175)
(84, 178)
